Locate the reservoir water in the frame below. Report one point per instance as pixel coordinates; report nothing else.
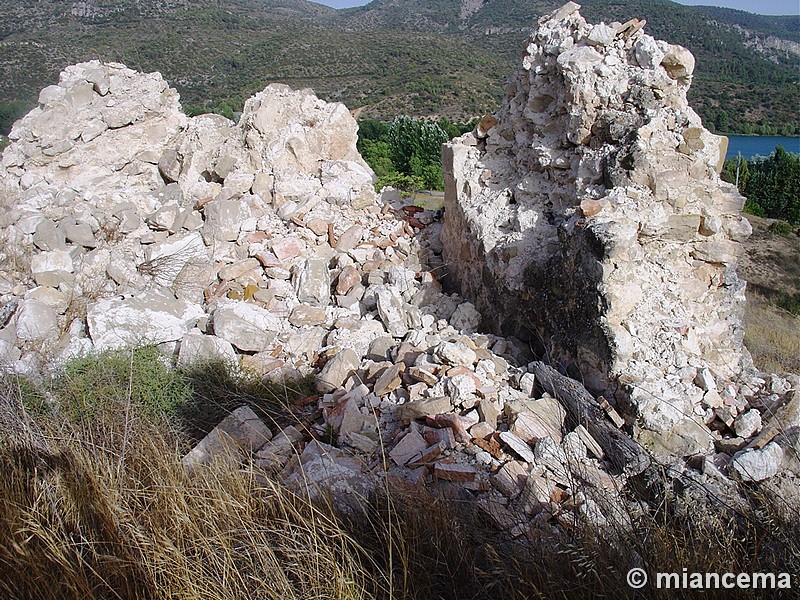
(760, 145)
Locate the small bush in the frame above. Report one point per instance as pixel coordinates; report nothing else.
(781, 228)
(142, 377)
(754, 208)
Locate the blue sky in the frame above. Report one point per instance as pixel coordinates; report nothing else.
(769, 7)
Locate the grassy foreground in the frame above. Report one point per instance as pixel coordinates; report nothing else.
(94, 503)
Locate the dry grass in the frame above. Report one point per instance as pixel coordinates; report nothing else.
(105, 510)
(772, 335)
(97, 505)
(772, 271)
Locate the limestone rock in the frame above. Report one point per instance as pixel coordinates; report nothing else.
(238, 435)
(149, 318)
(337, 370)
(199, 348)
(758, 464)
(312, 282)
(322, 468)
(36, 321)
(455, 353)
(518, 446)
(246, 326)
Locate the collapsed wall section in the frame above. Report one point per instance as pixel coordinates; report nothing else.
(588, 217)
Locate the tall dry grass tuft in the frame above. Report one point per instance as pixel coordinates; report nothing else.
(772, 336)
(102, 508)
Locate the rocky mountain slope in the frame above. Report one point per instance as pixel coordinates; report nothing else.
(444, 57)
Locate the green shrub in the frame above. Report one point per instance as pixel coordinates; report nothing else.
(142, 377)
(28, 393)
(754, 208)
(781, 228)
(404, 183)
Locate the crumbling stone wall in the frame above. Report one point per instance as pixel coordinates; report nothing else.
(587, 215)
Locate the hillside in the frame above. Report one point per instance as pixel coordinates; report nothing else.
(424, 57)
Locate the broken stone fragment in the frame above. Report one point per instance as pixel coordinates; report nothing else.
(679, 63)
(57, 300)
(303, 314)
(747, 424)
(361, 442)
(276, 452)
(511, 478)
(246, 326)
(350, 238)
(407, 448)
(312, 282)
(235, 438)
(48, 236)
(454, 422)
(456, 472)
(53, 261)
(345, 417)
(196, 347)
(488, 412)
(249, 269)
(149, 318)
(601, 35)
(322, 468)
(518, 446)
(223, 219)
(36, 321)
(389, 380)
(423, 375)
(392, 311)
(758, 464)
(337, 370)
(536, 419)
(349, 277)
(455, 353)
(424, 407)
(589, 442)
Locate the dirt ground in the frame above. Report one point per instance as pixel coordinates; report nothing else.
(770, 261)
(771, 266)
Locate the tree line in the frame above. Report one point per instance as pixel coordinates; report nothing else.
(771, 185)
(406, 153)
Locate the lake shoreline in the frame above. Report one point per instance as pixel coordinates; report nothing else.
(751, 146)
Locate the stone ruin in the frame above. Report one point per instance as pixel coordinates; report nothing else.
(586, 218)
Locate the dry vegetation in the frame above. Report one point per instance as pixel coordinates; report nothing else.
(94, 503)
(772, 269)
(772, 335)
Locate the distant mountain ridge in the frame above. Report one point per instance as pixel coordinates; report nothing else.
(422, 57)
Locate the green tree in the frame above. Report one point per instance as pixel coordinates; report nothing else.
(10, 112)
(771, 185)
(378, 156)
(372, 129)
(723, 121)
(736, 171)
(409, 138)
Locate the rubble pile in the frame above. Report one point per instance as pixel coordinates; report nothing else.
(263, 244)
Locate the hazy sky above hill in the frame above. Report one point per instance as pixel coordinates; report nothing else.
(772, 7)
